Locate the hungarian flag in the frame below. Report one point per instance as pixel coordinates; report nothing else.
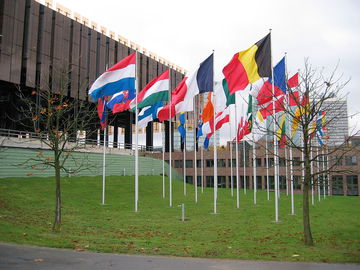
(155, 91)
(249, 66)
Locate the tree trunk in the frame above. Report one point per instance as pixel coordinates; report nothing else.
(57, 221)
(308, 239)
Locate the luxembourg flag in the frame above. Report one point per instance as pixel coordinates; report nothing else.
(118, 78)
(182, 98)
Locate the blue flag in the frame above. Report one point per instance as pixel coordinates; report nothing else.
(206, 142)
(181, 127)
(279, 75)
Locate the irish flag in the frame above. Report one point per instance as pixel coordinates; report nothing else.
(155, 91)
(249, 66)
(119, 77)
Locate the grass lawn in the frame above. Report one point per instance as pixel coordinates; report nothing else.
(27, 209)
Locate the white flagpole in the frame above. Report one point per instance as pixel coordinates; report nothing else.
(312, 176)
(237, 158)
(292, 181)
(215, 147)
(104, 176)
(170, 131)
(267, 164)
(184, 159)
(286, 128)
(231, 163)
(195, 160)
(328, 173)
(254, 168)
(323, 175)
(244, 155)
(136, 137)
(286, 169)
(318, 170)
(275, 146)
(244, 166)
(202, 169)
(163, 166)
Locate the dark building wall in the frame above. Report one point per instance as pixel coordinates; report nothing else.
(40, 47)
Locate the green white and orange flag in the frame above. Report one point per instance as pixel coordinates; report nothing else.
(249, 66)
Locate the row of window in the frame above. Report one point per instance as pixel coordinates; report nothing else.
(221, 163)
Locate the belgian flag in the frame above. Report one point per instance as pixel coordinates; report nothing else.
(249, 66)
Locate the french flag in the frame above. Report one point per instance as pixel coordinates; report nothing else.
(118, 78)
(182, 98)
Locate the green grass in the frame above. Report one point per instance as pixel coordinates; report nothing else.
(27, 207)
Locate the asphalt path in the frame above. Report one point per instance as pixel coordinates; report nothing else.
(14, 256)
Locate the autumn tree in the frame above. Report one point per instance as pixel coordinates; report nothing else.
(57, 119)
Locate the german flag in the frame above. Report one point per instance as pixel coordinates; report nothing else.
(249, 66)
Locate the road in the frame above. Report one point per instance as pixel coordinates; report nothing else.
(14, 256)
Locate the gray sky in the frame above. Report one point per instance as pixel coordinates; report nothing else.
(185, 32)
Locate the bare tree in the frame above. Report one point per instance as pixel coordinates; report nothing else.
(58, 120)
(315, 94)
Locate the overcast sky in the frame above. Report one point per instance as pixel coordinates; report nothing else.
(185, 32)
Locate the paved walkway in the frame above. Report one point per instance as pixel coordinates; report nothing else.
(28, 257)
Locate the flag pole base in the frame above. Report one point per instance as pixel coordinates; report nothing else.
(274, 221)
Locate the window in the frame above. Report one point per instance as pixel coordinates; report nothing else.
(189, 179)
(233, 162)
(199, 180)
(198, 163)
(221, 181)
(338, 161)
(282, 162)
(271, 162)
(296, 161)
(352, 184)
(272, 182)
(297, 182)
(209, 163)
(282, 182)
(337, 185)
(258, 162)
(189, 163)
(350, 160)
(178, 164)
(210, 181)
(221, 163)
(258, 182)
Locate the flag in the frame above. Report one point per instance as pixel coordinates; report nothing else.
(155, 91)
(208, 111)
(101, 108)
(181, 126)
(301, 109)
(120, 102)
(230, 98)
(249, 66)
(206, 142)
(281, 132)
(118, 78)
(246, 122)
(220, 119)
(199, 132)
(293, 81)
(182, 98)
(148, 114)
(265, 94)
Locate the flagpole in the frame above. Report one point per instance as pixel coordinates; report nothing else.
(215, 147)
(292, 181)
(328, 173)
(312, 176)
(195, 160)
(237, 158)
(286, 128)
(170, 131)
(184, 159)
(163, 166)
(267, 164)
(275, 146)
(254, 167)
(202, 169)
(104, 158)
(136, 137)
(231, 162)
(244, 165)
(318, 170)
(323, 175)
